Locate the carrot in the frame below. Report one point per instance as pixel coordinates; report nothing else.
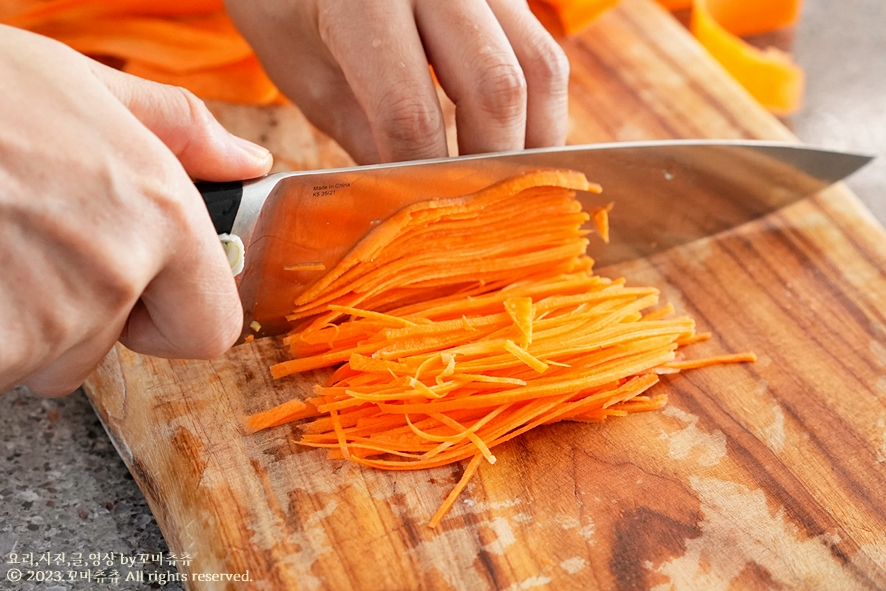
(310, 266)
(769, 75)
(460, 486)
(569, 17)
(719, 26)
(454, 335)
(190, 43)
(601, 220)
(288, 411)
(717, 360)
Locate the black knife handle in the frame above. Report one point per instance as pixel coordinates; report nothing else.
(223, 201)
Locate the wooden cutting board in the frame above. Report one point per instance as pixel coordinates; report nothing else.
(762, 476)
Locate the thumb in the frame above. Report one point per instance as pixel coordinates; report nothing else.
(181, 121)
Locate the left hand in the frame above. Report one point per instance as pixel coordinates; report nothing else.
(358, 69)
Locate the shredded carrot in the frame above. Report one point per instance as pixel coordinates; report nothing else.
(288, 411)
(454, 334)
(601, 220)
(460, 486)
(309, 266)
(525, 356)
(520, 310)
(718, 360)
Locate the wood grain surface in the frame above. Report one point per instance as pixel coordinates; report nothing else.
(763, 476)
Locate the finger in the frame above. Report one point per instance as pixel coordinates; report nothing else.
(546, 69)
(380, 53)
(291, 52)
(479, 71)
(191, 309)
(332, 107)
(328, 101)
(182, 122)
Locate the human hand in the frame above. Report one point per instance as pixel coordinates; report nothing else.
(358, 69)
(104, 235)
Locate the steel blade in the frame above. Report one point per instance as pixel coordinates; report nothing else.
(666, 193)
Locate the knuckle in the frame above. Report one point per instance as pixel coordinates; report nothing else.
(403, 118)
(46, 336)
(548, 67)
(329, 22)
(114, 281)
(194, 107)
(195, 117)
(173, 213)
(501, 89)
(114, 264)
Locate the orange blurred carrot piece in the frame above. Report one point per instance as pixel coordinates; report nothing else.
(569, 17)
(191, 43)
(242, 82)
(675, 4)
(769, 75)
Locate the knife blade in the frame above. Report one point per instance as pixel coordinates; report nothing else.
(666, 193)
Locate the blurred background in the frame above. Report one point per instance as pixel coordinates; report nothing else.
(842, 48)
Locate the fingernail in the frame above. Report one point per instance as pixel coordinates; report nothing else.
(253, 150)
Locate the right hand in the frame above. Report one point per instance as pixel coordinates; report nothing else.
(104, 235)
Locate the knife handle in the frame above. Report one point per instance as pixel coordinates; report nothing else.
(223, 202)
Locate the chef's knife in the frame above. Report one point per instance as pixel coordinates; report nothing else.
(666, 193)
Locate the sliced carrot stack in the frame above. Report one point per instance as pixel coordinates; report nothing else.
(459, 324)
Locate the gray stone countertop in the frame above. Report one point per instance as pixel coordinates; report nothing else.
(64, 489)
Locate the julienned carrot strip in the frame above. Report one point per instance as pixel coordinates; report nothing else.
(525, 356)
(601, 220)
(309, 266)
(292, 410)
(521, 312)
(717, 360)
(462, 483)
(459, 324)
(696, 338)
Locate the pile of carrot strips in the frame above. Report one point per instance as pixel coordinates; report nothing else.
(459, 324)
